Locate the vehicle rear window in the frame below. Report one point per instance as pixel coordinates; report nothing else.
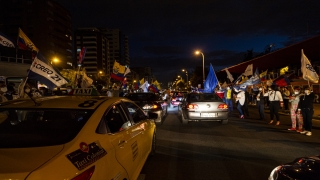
(204, 97)
(143, 97)
(35, 127)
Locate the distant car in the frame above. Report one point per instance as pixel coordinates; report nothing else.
(304, 168)
(203, 107)
(150, 102)
(176, 98)
(74, 137)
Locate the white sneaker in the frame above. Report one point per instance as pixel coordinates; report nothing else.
(309, 133)
(303, 132)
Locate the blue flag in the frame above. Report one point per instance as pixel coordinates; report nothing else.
(211, 82)
(255, 79)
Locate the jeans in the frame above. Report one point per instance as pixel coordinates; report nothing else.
(239, 107)
(230, 105)
(307, 118)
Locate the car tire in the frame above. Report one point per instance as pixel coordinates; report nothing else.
(153, 145)
(224, 121)
(183, 119)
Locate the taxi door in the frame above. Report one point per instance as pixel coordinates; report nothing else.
(142, 127)
(124, 139)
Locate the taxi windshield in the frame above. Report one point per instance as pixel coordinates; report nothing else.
(40, 127)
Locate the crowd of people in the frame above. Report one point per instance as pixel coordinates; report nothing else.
(297, 102)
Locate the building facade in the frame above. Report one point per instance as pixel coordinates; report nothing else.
(47, 24)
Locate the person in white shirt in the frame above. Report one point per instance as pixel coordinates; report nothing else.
(241, 100)
(276, 101)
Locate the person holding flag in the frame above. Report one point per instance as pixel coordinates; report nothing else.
(305, 107)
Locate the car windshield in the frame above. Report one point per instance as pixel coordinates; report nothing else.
(204, 97)
(39, 127)
(143, 97)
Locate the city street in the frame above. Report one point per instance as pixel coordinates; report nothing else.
(242, 149)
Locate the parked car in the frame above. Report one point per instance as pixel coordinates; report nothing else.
(176, 98)
(74, 137)
(304, 168)
(203, 107)
(150, 102)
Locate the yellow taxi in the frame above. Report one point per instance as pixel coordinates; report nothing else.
(74, 137)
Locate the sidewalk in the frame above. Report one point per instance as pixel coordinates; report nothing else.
(316, 114)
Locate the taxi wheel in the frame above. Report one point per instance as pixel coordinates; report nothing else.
(153, 146)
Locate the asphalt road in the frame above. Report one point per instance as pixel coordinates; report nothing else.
(242, 149)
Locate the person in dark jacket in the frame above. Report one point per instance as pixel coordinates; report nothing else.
(305, 107)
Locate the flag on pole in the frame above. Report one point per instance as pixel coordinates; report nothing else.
(229, 75)
(82, 54)
(46, 74)
(249, 70)
(211, 82)
(308, 72)
(127, 71)
(25, 43)
(6, 41)
(144, 86)
(263, 75)
(141, 81)
(118, 71)
(284, 70)
(255, 79)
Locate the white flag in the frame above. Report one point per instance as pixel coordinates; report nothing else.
(308, 73)
(249, 70)
(144, 86)
(229, 75)
(127, 71)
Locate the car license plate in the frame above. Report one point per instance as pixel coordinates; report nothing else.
(209, 114)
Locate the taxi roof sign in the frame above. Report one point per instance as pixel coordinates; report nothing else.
(85, 92)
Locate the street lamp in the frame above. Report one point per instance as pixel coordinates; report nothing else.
(199, 52)
(187, 76)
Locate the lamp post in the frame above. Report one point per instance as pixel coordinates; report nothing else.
(187, 77)
(199, 52)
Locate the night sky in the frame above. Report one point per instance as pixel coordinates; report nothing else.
(164, 34)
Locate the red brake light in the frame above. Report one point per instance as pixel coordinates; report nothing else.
(86, 175)
(223, 106)
(192, 106)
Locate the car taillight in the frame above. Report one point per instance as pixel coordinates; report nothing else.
(192, 106)
(86, 175)
(223, 106)
(150, 106)
(173, 99)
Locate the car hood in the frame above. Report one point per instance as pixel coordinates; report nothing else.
(17, 163)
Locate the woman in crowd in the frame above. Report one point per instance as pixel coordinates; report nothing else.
(296, 118)
(276, 101)
(241, 101)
